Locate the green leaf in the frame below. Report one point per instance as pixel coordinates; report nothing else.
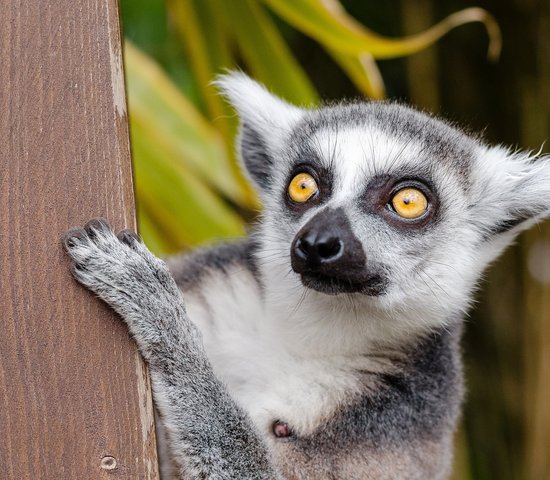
(363, 71)
(173, 124)
(328, 22)
(266, 53)
(156, 240)
(206, 41)
(176, 204)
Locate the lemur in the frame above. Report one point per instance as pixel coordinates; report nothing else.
(326, 344)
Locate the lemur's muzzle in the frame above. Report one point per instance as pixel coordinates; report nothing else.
(329, 257)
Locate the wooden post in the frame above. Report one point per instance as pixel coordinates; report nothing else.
(74, 394)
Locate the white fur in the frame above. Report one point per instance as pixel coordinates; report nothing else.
(256, 359)
(274, 117)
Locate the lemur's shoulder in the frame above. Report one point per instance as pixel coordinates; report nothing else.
(420, 398)
(190, 269)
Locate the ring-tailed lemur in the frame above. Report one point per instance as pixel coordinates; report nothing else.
(326, 345)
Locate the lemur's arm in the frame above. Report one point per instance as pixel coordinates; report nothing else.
(213, 437)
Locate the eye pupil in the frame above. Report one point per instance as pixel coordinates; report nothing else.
(302, 187)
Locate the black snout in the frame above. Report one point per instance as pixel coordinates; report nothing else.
(319, 247)
(330, 259)
(327, 245)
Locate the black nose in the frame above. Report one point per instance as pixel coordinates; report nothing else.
(327, 246)
(329, 257)
(317, 247)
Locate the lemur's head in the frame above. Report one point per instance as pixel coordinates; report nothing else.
(380, 203)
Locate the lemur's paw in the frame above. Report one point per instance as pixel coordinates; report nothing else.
(119, 269)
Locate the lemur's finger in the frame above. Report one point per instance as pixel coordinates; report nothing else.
(73, 236)
(130, 238)
(97, 225)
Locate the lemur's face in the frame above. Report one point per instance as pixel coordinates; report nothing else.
(372, 199)
(380, 201)
(368, 195)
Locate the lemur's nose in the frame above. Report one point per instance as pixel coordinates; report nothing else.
(319, 247)
(326, 245)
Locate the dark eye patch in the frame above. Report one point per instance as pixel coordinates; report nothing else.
(378, 195)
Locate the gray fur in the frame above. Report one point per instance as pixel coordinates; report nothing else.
(439, 139)
(367, 380)
(188, 270)
(208, 435)
(255, 157)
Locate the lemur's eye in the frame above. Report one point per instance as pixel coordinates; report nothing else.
(302, 187)
(409, 203)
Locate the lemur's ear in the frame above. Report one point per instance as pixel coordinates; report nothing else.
(512, 190)
(266, 122)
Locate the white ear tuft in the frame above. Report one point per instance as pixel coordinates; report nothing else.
(514, 191)
(266, 122)
(255, 104)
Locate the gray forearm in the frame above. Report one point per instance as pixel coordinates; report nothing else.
(211, 436)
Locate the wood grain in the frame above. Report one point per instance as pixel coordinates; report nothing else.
(73, 389)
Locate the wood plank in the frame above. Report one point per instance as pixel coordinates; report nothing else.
(73, 389)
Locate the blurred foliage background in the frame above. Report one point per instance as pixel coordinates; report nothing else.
(431, 54)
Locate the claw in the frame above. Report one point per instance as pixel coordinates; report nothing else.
(72, 236)
(97, 225)
(129, 237)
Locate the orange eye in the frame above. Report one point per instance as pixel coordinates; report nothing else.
(302, 187)
(409, 203)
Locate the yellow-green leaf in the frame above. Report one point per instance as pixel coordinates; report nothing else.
(206, 41)
(172, 123)
(266, 54)
(331, 25)
(363, 71)
(174, 200)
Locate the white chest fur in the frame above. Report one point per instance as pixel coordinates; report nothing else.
(269, 381)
